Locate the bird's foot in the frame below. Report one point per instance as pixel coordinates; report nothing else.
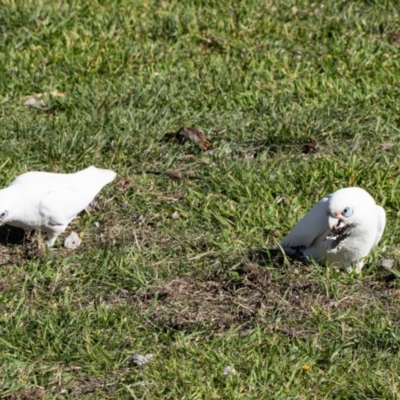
(357, 268)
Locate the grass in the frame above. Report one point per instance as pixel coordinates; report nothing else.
(261, 78)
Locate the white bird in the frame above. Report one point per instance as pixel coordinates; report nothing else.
(50, 201)
(343, 228)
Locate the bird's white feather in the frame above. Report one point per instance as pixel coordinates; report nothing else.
(381, 224)
(310, 227)
(63, 202)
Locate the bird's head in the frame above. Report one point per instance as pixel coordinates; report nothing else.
(349, 207)
(3, 217)
(8, 204)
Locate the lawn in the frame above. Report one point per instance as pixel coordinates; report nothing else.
(298, 99)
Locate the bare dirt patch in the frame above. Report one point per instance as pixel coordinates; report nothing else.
(283, 300)
(27, 394)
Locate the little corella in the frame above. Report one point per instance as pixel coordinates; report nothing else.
(50, 201)
(343, 228)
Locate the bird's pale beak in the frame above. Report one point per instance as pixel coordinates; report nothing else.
(335, 222)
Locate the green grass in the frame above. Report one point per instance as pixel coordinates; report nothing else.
(260, 78)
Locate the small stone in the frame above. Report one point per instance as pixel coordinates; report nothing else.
(228, 370)
(140, 360)
(175, 215)
(97, 224)
(72, 241)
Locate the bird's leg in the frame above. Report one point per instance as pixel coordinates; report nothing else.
(51, 238)
(53, 233)
(358, 267)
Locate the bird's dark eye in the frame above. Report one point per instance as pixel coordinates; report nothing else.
(347, 212)
(3, 214)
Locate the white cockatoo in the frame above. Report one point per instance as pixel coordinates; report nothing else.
(343, 228)
(50, 201)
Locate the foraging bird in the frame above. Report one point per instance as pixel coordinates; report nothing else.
(342, 227)
(50, 201)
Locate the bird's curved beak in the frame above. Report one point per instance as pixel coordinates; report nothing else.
(335, 222)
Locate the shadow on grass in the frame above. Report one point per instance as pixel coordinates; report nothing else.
(10, 235)
(275, 257)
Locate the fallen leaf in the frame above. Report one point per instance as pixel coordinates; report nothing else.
(386, 263)
(386, 146)
(141, 360)
(72, 241)
(311, 146)
(35, 103)
(38, 105)
(186, 134)
(228, 370)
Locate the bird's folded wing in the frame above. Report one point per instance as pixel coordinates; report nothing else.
(62, 204)
(312, 225)
(381, 225)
